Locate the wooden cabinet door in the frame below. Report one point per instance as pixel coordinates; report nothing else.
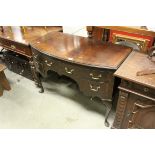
(139, 113)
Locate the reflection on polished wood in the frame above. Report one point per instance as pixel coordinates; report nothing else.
(137, 62)
(82, 50)
(26, 34)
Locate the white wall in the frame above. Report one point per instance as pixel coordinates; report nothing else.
(76, 30)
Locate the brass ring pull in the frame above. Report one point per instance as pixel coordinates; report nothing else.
(69, 71)
(95, 78)
(146, 89)
(93, 89)
(13, 47)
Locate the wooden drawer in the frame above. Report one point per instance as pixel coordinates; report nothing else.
(16, 47)
(70, 70)
(44, 63)
(98, 75)
(138, 88)
(83, 72)
(96, 89)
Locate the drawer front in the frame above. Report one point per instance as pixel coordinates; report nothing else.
(43, 63)
(17, 47)
(18, 65)
(83, 72)
(138, 88)
(101, 75)
(70, 70)
(96, 89)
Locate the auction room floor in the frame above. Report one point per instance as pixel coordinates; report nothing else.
(62, 105)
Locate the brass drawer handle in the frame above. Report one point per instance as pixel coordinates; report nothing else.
(21, 72)
(13, 46)
(50, 64)
(35, 56)
(94, 89)
(69, 71)
(95, 78)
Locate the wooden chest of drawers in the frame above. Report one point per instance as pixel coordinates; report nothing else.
(89, 63)
(18, 64)
(92, 82)
(136, 103)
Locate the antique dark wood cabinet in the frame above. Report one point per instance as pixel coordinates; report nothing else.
(136, 103)
(17, 39)
(88, 62)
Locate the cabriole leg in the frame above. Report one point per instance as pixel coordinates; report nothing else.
(108, 105)
(36, 77)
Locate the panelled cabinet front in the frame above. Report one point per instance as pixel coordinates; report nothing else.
(135, 110)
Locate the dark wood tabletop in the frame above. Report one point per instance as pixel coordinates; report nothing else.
(27, 35)
(134, 63)
(82, 50)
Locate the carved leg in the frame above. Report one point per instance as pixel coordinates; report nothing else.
(108, 105)
(1, 52)
(36, 77)
(39, 83)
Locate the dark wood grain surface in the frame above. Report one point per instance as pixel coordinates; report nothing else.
(29, 34)
(82, 50)
(134, 63)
